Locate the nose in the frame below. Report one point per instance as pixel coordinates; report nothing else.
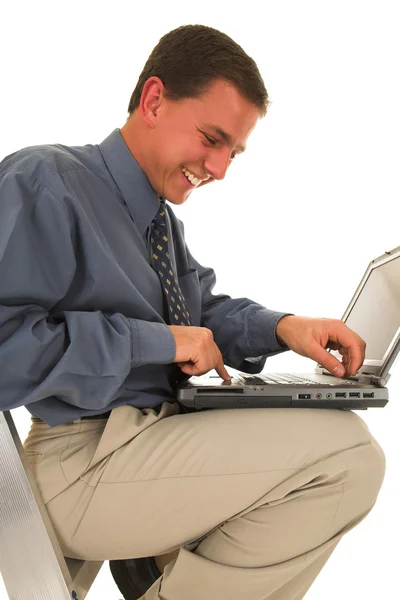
(217, 163)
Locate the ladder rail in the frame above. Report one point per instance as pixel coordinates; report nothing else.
(31, 561)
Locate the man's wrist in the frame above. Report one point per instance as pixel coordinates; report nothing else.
(280, 329)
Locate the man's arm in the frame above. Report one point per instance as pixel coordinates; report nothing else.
(83, 358)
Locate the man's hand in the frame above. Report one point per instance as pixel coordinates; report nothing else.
(196, 351)
(312, 337)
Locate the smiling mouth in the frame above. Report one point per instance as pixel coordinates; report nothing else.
(193, 180)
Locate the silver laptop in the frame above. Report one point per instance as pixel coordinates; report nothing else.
(373, 312)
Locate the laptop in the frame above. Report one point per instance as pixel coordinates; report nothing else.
(373, 313)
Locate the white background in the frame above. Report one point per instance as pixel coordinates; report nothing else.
(298, 217)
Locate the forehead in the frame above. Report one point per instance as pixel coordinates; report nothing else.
(222, 97)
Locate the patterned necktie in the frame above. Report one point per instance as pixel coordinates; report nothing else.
(178, 315)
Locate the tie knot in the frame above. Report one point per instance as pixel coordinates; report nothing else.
(159, 220)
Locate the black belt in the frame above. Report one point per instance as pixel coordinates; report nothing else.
(102, 416)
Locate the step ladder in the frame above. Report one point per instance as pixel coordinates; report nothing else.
(31, 561)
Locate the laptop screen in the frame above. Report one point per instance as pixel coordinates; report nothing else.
(375, 314)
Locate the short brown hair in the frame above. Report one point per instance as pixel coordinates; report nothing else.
(189, 58)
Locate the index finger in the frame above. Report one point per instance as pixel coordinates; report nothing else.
(220, 368)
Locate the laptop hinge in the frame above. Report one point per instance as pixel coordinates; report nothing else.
(374, 379)
(369, 378)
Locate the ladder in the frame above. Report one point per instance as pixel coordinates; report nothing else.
(31, 561)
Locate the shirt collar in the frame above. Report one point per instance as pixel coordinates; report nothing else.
(141, 199)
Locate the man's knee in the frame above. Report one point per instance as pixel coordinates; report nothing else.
(374, 464)
(366, 466)
(375, 467)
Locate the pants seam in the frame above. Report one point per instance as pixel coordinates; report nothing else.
(65, 449)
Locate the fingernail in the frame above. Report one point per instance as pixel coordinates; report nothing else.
(339, 371)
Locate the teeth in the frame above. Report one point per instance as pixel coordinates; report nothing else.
(193, 180)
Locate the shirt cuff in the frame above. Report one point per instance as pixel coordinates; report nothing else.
(152, 343)
(278, 339)
(262, 332)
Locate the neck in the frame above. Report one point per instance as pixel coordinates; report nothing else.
(137, 142)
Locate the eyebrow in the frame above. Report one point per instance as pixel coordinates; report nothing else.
(225, 136)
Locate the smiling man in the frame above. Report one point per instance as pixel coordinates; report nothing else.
(103, 310)
(186, 143)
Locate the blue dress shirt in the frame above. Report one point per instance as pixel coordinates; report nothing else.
(82, 326)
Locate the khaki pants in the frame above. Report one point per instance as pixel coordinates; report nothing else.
(254, 500)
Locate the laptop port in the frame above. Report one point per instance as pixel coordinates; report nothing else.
(304, 396)
(340, 395)
(354, 394)
(368, 394)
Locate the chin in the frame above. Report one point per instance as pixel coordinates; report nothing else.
(178, 198)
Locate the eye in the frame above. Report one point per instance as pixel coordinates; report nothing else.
(209, 139)
(214, 142)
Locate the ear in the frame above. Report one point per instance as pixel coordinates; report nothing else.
(150, 100)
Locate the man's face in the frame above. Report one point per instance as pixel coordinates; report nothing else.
(196, 139)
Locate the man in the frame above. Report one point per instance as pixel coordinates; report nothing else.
(104, 309)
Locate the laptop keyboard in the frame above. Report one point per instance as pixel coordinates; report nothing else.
(282, 378)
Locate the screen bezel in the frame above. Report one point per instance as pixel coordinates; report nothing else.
(372, 366)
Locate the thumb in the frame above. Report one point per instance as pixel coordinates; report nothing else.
(189, 368)
(327, 360)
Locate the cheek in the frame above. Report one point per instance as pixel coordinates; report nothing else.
(185, 148)
(192, 156)
(175, 148)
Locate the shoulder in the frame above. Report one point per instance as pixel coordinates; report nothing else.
(41, 162)
(31, 182)
(40, 171)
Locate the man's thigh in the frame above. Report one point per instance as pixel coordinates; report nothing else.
(179, 478)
